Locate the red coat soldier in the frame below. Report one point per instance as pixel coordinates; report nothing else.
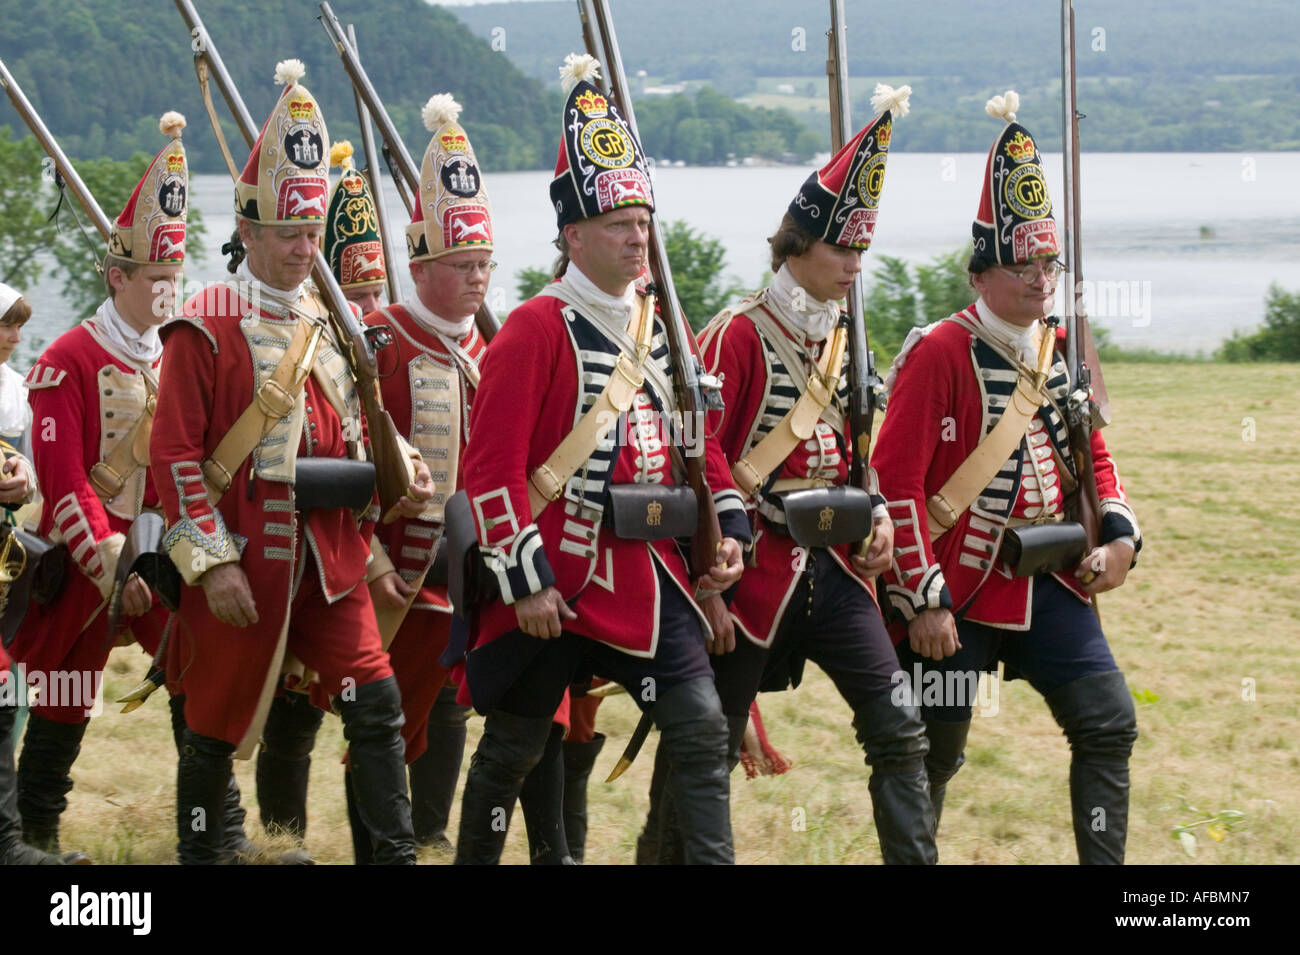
(434, 367)
(575, 596)
(277, 574)
(92, 394)
(787, 433)
(988, 377)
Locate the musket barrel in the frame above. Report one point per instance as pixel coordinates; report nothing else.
(708, 536)
(325, 281)
(596, 14)
(61, 162)
(365, 90)
(1068, 145)
(400, 157)
(841, 129)
(391, 278)
(203, 46)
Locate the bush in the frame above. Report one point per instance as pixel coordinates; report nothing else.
(1278, 340)
(901, 298)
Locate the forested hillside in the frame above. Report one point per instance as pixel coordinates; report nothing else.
(100, 72)
(1177, 75)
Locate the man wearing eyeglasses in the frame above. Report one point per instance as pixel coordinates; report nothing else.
(429, 375)
(968, 597)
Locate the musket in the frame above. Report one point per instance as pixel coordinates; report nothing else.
(1081, 355)
(392, 464)
(865, 384)
(402, 167)
(601, 42)
(391, 277)
(66, 173)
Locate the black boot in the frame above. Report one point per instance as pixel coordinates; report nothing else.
(49, 750)
(284, 764)
(1100, 722)
(693, 732)
(507, 752)
(947, 755)
(542, 800)
(579, 758)
(660, 842)
(435, 774)
(202, 785)
(13, 851)
(372, 725)
(361, 850)
(893, 738)
(238, 847)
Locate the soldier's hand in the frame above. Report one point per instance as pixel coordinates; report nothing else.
(543, 614)
(229, 597)
(391, 591)
(933, 634)
(137, 598)
(721, 637)
(880, 555)
(17, 479)
(418, 493)
(1105, 568)
(725, 572)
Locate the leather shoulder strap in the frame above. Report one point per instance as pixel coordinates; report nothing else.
(276, 399)
(982, 465)
(799, 422)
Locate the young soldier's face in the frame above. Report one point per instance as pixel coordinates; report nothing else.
(10, 336)
(826, 271)
(610, 249)
(146, 298)
(453, 286)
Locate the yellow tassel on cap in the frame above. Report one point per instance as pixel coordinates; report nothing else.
(171, 123)
(288, 72)
(341, 154)
(577, 68)
(1004, 106)
(441, 108)
(894, 100)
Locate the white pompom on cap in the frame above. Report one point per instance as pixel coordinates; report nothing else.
(1004, 106)
(440, 109)
(889, 98)
(171, 123)
(288, 72)
(578, 68)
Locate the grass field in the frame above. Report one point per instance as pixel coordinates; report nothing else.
(1206, 628)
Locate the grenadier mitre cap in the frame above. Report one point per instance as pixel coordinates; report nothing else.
(1014, 223)
(151, 229)
(286, 179)
(601, 166)
(453, 213)
(353, 246)
(838, 203)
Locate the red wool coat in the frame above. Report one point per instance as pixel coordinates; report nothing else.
(420, 396)
(85, 397)
(734, 350)
(415, 395)
(207, 382)
(527, 402)
(944, 400)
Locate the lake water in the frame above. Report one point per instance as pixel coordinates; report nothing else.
(1156, 281)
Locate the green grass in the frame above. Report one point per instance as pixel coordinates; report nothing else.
(1215, 601)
